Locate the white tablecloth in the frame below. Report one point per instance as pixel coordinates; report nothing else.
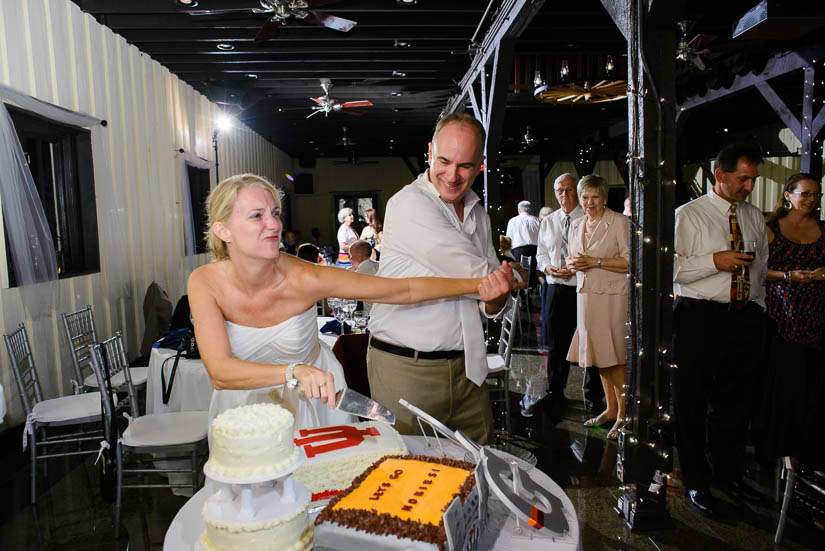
(192, 388)
(329, 339)
(188, 525)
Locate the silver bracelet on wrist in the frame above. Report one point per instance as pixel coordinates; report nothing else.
(598, 262)
(291, 381)
(788, 276)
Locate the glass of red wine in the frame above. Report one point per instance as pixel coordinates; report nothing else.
(750, 249)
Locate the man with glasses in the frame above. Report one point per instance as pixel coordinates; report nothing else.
(718, 327)
(558, 322)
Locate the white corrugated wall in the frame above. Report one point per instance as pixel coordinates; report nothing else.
(49, 49)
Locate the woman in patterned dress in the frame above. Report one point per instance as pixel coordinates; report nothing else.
(795, 301)
(346, 236)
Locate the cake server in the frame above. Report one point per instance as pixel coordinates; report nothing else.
(355, 403)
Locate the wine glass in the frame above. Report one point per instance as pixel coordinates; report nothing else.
(334, 304)
(349, 306)
(340, 315)
(360, 317)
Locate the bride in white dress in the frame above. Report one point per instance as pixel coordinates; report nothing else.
(254, 309)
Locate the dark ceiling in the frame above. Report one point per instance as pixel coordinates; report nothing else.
(268, 85)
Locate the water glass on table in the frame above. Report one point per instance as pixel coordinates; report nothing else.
(360, 317)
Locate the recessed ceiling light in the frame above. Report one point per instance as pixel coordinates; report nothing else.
(402, 44)
(396, 94)
(187, 3)
(406, 2)
(251, 75)
(398, 74)
(225, 47)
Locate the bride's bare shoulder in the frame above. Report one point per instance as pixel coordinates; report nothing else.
(209, 275)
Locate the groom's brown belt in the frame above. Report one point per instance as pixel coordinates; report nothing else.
(412, 353)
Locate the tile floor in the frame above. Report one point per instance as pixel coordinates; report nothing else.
(70, 514)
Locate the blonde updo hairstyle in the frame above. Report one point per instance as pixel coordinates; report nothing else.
(221, 203)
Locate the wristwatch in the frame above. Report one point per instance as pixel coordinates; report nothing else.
(291, 381)
(787, 276)
(598, 262)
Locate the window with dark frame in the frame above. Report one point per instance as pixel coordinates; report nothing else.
(59, 157)
(198, 192)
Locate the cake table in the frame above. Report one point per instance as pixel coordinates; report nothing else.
(188, 525)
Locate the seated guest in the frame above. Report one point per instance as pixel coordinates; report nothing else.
(254, 309)
(545, 212)
(359, 254)
(795, 301)
(505, 252)
(290, 243)
(310, 253)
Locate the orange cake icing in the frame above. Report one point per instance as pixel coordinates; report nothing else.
(400, 503)
(408, 489)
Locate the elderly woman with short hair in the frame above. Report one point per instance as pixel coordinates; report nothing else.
(346, 236)
(599, 254)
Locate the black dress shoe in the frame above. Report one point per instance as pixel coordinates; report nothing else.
(703, 501)
(741, 490)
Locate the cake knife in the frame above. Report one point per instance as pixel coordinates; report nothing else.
(350, 401)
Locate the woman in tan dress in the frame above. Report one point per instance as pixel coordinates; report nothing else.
(599, 253)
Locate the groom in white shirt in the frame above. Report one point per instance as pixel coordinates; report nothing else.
(433, 354)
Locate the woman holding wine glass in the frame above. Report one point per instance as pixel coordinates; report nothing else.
(795, 301)
(599, 253)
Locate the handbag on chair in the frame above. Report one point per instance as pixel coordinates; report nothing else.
(187, 348)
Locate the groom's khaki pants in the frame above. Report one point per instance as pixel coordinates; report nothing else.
(438, 387)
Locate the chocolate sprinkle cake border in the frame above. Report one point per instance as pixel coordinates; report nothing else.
(385, 524)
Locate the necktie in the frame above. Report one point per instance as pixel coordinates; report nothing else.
(740, 285)
(565, 230)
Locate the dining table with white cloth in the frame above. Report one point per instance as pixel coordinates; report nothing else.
(187, 526)
(192, 388)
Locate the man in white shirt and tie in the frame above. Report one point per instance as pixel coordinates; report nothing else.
(718, 327)
(523, 231)
(559, 320)
(433, 354)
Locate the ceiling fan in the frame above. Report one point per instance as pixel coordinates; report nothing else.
(280, 11)
(327, 104)
(689, 50)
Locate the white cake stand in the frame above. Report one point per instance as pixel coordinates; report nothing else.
(244, 499)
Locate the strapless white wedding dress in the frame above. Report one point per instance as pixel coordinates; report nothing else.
(293, 340)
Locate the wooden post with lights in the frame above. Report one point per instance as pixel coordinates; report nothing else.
(645, 444)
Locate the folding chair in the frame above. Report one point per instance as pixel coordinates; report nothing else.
(74, 410)
(124, 378)
(182, 435)
(351, 352)
(798, 482)
(81, 334)
(498, 364)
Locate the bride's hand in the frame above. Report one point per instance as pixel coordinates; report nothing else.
(317, 383)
